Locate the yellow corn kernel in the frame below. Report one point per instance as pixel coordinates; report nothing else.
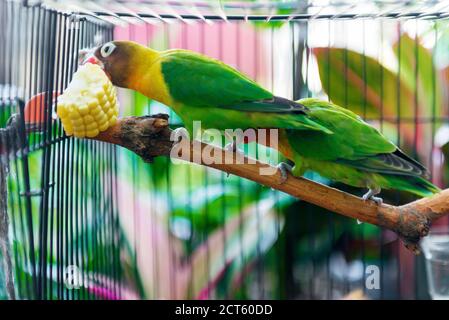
(74, 114)
(106, 106)
(103, 126)
(112, 100)
(106, 87)
(92, 133)
(98, 93)
(77, 122)
(88, 119)
(62, 111)
(101, 117)
(91, 126)
(111, 92)
(112, 120)
(68, 130)
(71, 107)
(79, 134)
(79, 128)
(83, 109)
(92, 103)
(110, 113)
(65, 120)
(103, 99)
(96, 110)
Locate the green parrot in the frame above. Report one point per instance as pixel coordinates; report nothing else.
(314, 134)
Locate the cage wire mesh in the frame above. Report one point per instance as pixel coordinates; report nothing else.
(84, 209)
(61, 192)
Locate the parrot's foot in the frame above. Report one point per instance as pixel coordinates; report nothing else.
(179, 134)
(370, 195)
(377, 200)
(284, 168)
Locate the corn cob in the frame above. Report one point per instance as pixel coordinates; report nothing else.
(89, 104)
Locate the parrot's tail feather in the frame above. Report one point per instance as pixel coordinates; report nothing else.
(416, 185)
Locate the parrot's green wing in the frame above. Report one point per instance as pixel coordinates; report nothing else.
(196, 80)
(353, 138)
(354, 142)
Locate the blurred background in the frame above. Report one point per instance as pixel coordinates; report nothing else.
(87, 220)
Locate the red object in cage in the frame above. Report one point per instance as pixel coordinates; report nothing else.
(34, 111)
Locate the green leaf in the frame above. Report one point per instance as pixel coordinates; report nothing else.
(418, 72)
(362, 84)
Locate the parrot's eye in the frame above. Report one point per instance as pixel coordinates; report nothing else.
(107, 49)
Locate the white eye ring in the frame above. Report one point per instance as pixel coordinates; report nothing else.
(107, 49)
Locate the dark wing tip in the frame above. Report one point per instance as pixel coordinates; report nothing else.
(272, 105)
(291, 106)
(419, 169)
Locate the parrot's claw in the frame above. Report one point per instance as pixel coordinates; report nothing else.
(378, 200)
(370, 195)
(179, 134)
(284, 168)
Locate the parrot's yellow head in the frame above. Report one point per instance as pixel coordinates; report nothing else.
(119, 60)
(133, 66)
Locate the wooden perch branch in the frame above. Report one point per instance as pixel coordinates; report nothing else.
(149, 137)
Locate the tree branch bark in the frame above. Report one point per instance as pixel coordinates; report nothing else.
(149, 137)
